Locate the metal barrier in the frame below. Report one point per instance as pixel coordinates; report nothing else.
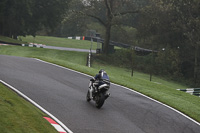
(192, 91)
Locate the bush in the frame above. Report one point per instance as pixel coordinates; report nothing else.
(165, 63)
(120, 58)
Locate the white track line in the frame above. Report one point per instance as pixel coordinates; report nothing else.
(37, 105)
(129, 90)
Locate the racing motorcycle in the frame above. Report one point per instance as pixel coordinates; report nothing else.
(98, 91)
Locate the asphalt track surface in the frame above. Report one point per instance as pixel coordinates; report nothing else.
(62, 92)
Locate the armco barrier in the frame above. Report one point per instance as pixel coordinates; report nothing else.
(77, 37)
(192, 91)
(33, 45)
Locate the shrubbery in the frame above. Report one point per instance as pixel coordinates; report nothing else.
(164, 63)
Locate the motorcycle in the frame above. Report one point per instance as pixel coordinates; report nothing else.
(98, 91)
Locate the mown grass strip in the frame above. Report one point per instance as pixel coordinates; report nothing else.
(61, 42)
(19, 116)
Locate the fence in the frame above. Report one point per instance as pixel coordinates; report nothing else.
(192, 91)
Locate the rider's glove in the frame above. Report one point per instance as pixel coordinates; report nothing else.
(92, 79)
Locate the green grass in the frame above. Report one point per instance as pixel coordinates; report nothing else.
(60, 42)
(19, 116)
(47, 54)
(165, 92)
(7, 39)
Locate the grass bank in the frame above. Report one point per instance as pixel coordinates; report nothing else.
(10, 40)
(60, 42)
(19, 116)
(67, 57)
(159, 89)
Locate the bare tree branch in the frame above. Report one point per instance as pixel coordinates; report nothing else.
(127, 12)
(93, 16)
(99, 19)
(107, 6)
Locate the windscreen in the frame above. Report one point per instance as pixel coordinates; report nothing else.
(105, 77)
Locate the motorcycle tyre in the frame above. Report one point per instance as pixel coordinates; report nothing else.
(100, 100)
(88, 96)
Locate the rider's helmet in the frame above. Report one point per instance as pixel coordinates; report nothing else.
(103, 74)
(100, 71)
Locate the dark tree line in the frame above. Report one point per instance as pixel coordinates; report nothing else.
(172, 27)
(26, 17)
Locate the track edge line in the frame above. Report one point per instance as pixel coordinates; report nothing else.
(37, 105)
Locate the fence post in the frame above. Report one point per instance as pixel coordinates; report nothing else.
(89, 58)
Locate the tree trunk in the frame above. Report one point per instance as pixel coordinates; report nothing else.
(108, 24)
(107, 39)
(150, 76)
(132, 60)
(196, 64)
(152, 65)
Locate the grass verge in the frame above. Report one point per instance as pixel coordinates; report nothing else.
(46, 54)
(10, 40)
(165, 91)
(60, 42)
(19, 116)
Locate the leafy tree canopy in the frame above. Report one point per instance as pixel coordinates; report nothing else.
(26, 17)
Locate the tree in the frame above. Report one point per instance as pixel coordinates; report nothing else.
(107, 13)
(72, 25)
(174, 25)
(25, 17)
(191, 24)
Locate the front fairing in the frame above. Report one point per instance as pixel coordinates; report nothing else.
(104, 87)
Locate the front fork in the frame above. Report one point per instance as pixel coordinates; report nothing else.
(90, 89)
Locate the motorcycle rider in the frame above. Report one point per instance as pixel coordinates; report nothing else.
(98, 80)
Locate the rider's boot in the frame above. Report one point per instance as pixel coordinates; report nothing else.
(91, 90)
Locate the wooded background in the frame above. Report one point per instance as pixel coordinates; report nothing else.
(170, 27)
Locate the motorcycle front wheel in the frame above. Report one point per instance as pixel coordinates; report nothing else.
(88, 96)
(100, 100)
